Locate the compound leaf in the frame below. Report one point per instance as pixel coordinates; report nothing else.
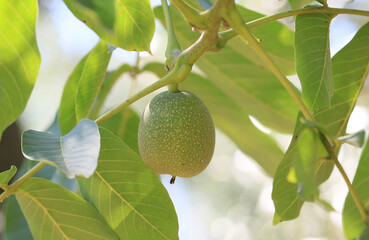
(350, 69)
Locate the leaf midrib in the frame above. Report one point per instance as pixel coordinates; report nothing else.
(324, 65)
(133, 21)
(45, 211)
(129, 205)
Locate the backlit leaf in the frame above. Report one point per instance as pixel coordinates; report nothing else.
(128, 24)
(82, 87)
(19, 57)
(75, 153)
(306, 156)
(53, 212)
(125, 126)
(350, 69)
(365, 234)
(110, 79)
(313, 59)
(353, 224)
(128, 195)
(7, 175)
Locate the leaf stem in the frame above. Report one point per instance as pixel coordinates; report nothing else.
(13, 188)
(234, 19)
(178, 74)
(229, 34)
(173, 47)
(351, 188)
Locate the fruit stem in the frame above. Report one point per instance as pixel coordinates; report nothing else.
(173, 87)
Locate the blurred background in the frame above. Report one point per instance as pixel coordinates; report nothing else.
(231, 199)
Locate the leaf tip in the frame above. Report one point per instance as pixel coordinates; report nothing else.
(276, 219)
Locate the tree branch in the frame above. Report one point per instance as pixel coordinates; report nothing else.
(229, 34)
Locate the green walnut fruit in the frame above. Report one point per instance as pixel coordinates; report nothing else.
(176, 134)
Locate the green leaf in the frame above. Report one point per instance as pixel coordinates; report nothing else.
(82, 87)
(350, 69)
(355, 139)
(128, 195)
(125, 126)
(128, 24)
(353, 224)
(19, 57)
(16, 226)
(75, 153)
(365, 234)
(306, 156)
(238, 71)
(53, 212)
(6, 176)
(313, 59)
(231, 119)
(299, 3)
(110, 79)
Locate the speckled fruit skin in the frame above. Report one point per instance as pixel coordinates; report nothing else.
(176, 134)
